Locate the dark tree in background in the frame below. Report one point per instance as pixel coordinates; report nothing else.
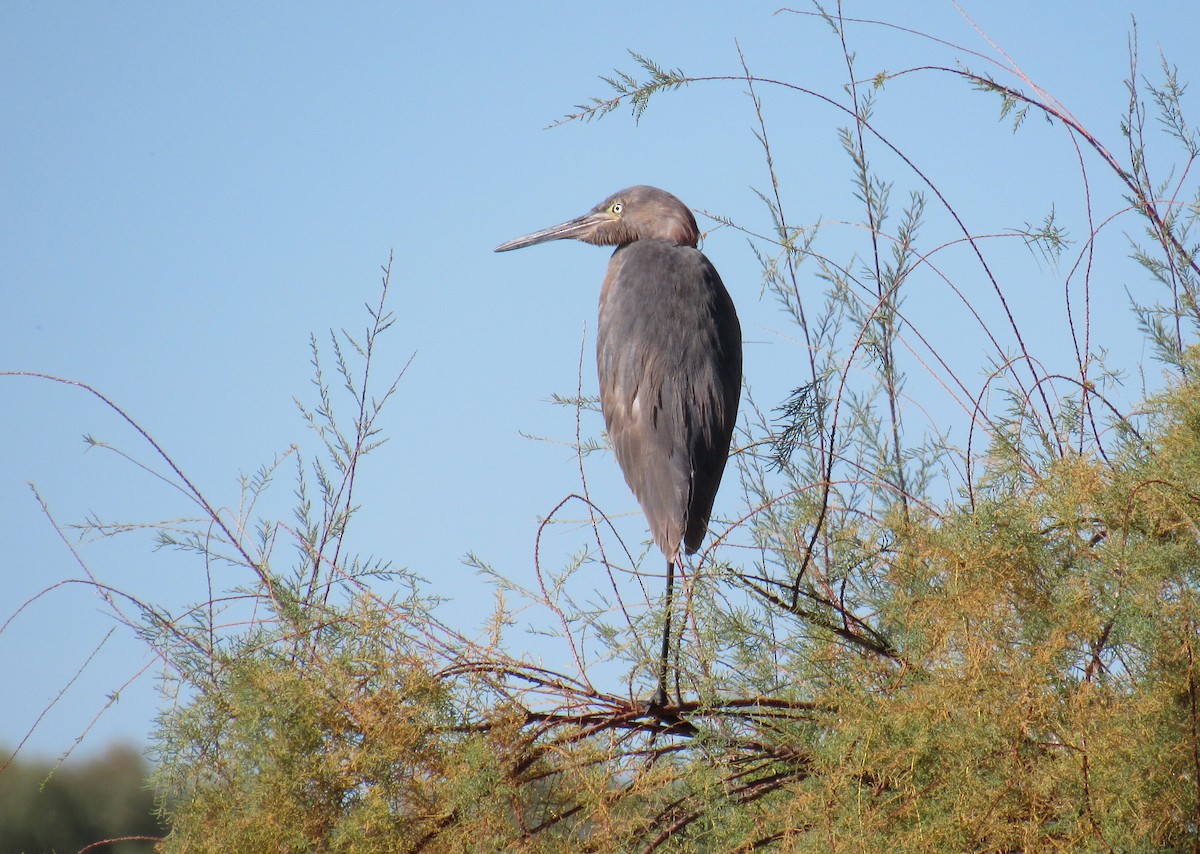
(44, 808)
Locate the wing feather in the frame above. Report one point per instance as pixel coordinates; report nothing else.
(670, 365)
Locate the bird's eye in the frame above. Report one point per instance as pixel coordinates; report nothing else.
(616, 208)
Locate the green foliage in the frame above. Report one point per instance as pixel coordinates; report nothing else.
(629, 88)
(350, 744)
(46, 807)
(1048, 694)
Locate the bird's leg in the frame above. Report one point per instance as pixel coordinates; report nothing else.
(660, 695)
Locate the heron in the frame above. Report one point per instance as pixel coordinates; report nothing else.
(669, 356)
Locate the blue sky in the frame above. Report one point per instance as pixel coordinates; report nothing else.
(187, 192)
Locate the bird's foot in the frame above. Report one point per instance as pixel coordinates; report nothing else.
(658, 700)
(656, 707)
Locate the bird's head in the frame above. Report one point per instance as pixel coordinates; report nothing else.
(636, 213)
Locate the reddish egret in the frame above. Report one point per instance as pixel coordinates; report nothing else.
(669, 352)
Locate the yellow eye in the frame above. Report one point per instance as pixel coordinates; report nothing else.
(616, 207)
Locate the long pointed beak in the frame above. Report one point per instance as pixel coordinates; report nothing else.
(573, 228)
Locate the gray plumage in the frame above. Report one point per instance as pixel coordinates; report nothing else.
(669, 358)
(669, 355)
